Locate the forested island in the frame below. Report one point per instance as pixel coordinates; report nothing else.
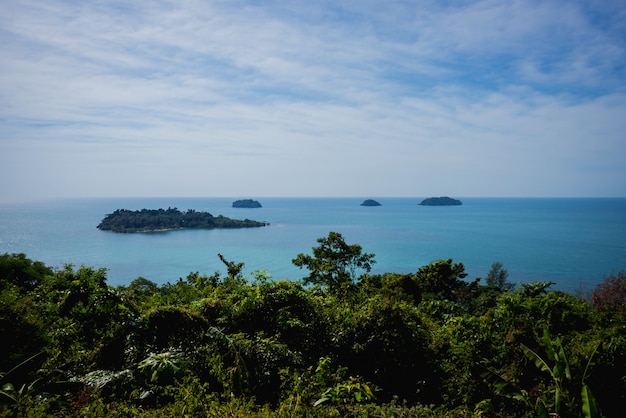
(440, 201)
(150, 220)
(370, 202)
(338, 342)
(247, 204)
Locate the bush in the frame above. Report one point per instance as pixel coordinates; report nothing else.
(610, 294)
(170, 326)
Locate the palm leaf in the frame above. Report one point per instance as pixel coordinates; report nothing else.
(589, 408)
(504, 387)
(564, 363)
(547, 342)
(536, 358)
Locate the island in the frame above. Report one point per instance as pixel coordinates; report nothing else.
(370, 202)
(246, 203)
(153, 220)
(440, 201)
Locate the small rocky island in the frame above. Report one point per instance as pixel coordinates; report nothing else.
(152, 220)
(370, 202)
(246, 203)
(440, 201)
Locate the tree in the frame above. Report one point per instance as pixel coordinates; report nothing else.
(497, 277)
(334, 263)
(441, 278)
(234, 269)
(18, 270)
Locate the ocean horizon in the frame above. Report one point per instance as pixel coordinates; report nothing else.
(574, 242)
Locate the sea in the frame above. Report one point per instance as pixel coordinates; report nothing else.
(574, 242)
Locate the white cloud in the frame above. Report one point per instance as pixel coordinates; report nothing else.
(300, 98)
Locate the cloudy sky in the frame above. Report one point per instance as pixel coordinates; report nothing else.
(254, 98)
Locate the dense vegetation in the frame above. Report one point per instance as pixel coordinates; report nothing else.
(440, 201)
(339, 342)
(247, 203)
(370, 202)
(145, 220)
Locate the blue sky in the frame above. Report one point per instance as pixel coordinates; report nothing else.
(301, 98)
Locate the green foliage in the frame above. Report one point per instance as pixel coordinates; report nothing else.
(20, 271)
(342, 393)
(536, 288)
(162, 368)
(234, 269)
(252, 346)
(563, 382)
(142, 288)
(16, 384)
(283, 310)
(562, 312)
(458, 341)
(497, 277)
(21, 386)
(326, 384)
(334, 263)
(393, 285)
(19, 321)
(170, 326)
(113, 384)
(264, 358)
(441, 279)
(608, 380)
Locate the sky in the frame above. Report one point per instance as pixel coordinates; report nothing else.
(250, 98)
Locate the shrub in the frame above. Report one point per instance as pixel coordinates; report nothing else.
(170, 326)
(611, 293)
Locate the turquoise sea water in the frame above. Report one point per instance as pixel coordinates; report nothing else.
(573, 242)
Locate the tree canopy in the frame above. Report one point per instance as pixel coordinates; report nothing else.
(334, 263)
(424, 344)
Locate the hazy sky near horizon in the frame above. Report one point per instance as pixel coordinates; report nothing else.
(312, 98)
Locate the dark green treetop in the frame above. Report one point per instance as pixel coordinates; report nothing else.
(334, 263)
(497, 277)
(441, 278)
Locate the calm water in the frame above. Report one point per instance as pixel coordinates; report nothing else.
(573, 242)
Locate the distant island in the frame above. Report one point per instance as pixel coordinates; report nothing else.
(440, 201)
(370, 202)
(246, 203)
(151, 220)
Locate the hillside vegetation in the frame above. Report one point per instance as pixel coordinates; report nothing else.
(148, 220)
(338, 342)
